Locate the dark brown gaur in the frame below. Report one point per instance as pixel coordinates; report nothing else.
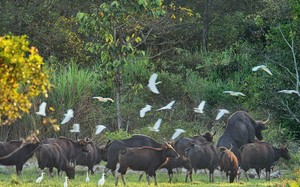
(17, 152)
(111, 151)
(147, 159)
(240, 130)
(261, 155)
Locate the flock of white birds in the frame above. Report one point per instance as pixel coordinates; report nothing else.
(200, 109)
(152, 86)
(76, 129)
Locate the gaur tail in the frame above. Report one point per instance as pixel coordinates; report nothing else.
(123, 150)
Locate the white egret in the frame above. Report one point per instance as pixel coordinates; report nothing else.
(102, 99)
(87, 179)
(263, 67)
(143, 111)
(289, 92)
(177, 133)
(68, 116)
(200, 107)
(168, 106)
(40, 178)
(152, 83)
(66, 182)
(234, 93)
(42, 109)
(102, 180)
(76, 128)
(221, 113)
(156, 126)
(99, 129)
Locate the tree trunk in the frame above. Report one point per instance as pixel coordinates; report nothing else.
(206, 22)
(118, 98)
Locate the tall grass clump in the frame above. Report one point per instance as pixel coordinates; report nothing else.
(73, 88)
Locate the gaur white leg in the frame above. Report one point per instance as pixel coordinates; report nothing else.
(117, 179)
(123, 179)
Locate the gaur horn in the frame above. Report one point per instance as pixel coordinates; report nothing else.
(265, 122)
(214, 133)
(231, 146)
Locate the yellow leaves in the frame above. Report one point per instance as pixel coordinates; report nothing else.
(56, 128)
(21, 77)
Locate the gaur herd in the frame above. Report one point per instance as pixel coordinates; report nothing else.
(239, 146)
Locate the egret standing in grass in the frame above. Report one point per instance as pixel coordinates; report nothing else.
(143, 111)
(40, 178)
(221, 113)
(87, 179)
(102, 180)
(42, 109)
(263, 67)
(68, 116)
(156, 126)
(200, 108)
(168, 106)
(152, 83)
(66, 182)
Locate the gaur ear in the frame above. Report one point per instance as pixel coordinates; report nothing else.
(166, 145)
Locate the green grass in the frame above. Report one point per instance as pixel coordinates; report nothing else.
(29, 175)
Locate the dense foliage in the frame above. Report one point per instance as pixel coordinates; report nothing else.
(199, 49)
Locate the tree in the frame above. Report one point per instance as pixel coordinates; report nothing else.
(115, 32)
(22, 77)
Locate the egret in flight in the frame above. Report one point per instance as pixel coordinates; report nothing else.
(200, 108)
(102, 99)
(177, 133)
(234, 93)
(152, 83)
(68, 116)
(99, 129)
(168, 106)
(42, 109)
(263, 67)
(143, 111)
(221, 113)
(156, 126)
(76, 128)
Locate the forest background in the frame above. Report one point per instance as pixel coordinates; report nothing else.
(198, 49)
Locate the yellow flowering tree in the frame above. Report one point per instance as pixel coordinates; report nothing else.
(21, 77)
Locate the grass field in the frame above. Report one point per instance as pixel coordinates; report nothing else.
(29, 175)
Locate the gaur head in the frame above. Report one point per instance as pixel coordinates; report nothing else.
(285, 153)
(261, 125)
(169, 150)
(209, 136)
(84, 144)
(70, 170)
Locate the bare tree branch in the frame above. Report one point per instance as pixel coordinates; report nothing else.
(291, 46)
(287, 108)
